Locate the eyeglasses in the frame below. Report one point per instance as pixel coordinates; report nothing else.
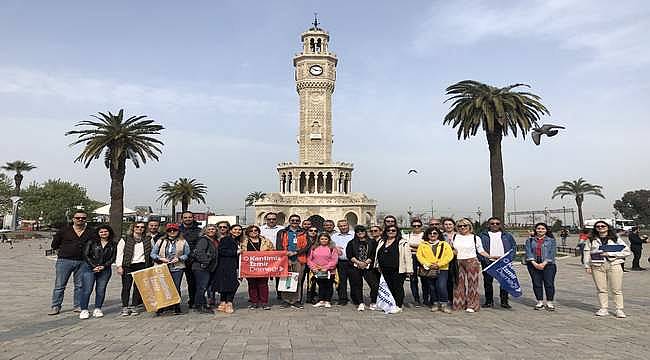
(602, 226)
(375, 230)
(80, 218)
(310, 230)
(391, 231)
(463, 225)
(495, 223)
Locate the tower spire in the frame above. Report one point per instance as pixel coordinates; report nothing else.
(316, 23)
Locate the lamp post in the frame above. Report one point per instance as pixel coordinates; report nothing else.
(514, 200)
(478, 212)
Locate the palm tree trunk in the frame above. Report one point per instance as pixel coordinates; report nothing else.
(173, 217)
(185, 203)
(18, 179)
(581, 220)
(496, 174)
(117, 197)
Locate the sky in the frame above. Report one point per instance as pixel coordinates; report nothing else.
(218, 75)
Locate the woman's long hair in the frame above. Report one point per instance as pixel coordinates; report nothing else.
(111, 233)
(331, 243)
(611, 234)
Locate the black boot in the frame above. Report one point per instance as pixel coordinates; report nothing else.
(488, 303)
(504, 303)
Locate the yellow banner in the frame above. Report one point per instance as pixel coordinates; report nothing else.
(156, 287)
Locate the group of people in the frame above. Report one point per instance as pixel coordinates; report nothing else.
(443, 263)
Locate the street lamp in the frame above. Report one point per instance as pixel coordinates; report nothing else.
(514, 200)
(478, 212)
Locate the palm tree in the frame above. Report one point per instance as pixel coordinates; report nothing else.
(254, 196)
(190, 190)
(169, 194)
(578, 188)
(19, 167)
(117, 140)
(497, 111)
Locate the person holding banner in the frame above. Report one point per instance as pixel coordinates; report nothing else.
(133, 254)
(540, 260)
(394, 261)
(360, 251)
(173, 250)
(322, 263)
(605, 252)
(294, 241)
(203, 266)
(226, 277)
(496, 243)
(258, 288)
(467, 246)
(98, 254)
(434, 256)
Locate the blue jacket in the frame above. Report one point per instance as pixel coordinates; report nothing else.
(508, 244)
(548, 249)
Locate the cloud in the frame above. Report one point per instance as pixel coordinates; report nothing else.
(611, 35)
(78, 88)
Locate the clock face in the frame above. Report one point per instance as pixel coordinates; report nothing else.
(316, 70)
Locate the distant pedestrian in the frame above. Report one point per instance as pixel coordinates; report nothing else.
(583, 237)
(322, 262)
(564, 234)
(540, 261)
(172, 249)
(636, 244)
(98, 254)
(133, 254)
(604, 265)
(70, 241)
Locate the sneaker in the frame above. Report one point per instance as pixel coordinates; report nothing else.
(319, 304)
(539, 305)
(396, 310)
(55, 310)
(435, 308)
(445, 309)
(550, 306)
(372, 307)
(602, 312)
(76, 309)
(125, 311)
(328, 304)
(620, 314)
(417, 303)
(252, 306)
(298, 306)
(266, 307)
(97, 313)
(133, 311)
(361, 307)
(84, 314)
(470, 310)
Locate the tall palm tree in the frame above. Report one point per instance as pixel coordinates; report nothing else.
(19, 167)
(117, 140)
(190, 190)
(169, 195)
(254, 196)
(578, 189)
(497, 111)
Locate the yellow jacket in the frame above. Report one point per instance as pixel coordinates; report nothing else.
(426, 257)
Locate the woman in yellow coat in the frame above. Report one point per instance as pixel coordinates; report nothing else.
(435, 254)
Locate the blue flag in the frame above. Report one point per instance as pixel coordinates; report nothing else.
(505, 274)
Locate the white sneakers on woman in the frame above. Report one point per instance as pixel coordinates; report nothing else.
(325, 304)
(602, 312)
(84, 314)
(98, 313)
(361, 307)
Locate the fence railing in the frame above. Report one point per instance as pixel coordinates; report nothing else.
(560, 249)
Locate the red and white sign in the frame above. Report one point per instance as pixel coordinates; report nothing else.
(261, 264)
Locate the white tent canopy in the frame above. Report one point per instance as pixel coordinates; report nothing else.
(104, 210)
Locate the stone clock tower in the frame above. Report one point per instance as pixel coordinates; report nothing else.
(316, 187)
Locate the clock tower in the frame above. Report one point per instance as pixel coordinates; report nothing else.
(315, 75)
(316, 187)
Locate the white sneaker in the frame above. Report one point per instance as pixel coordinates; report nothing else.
(319, 304)
(361, 307)
(372, 307)
(550, 306)
(84, 314)
(328, 304)
(396, 310)
(620, 314)
(602, 312)
(98, 313)
(470, 310)
(539, 305)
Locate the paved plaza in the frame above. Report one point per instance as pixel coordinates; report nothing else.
(571, 332)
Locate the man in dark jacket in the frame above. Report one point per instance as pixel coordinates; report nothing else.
(191, 232)
(636, 245)
(70, 242)
(497, 243)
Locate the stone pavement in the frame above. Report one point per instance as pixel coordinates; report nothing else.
(571, 332)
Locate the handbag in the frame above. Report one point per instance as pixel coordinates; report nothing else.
(322, 274)
(431, 273)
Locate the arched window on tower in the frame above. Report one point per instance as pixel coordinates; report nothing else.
(312, 45)
(319, 45)
(283, 183)
(320, 183)
(346, 184)
(328, 183)
(340, 184)
(302, 182)
(311, 183)
(290, 182)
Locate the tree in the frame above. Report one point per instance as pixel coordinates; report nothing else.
(254, 196)
(55, 199)
(19, 167)
(6, 190)
(118, 140)
(497, 111)
(635, 205)
(184, 191)
(578, 189)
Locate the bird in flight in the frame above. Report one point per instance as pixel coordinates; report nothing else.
(413, 171)
(546, 129)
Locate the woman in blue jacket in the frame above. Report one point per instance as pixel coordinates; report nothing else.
(540, 259)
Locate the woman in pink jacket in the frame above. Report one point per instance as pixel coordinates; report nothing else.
(322, 263)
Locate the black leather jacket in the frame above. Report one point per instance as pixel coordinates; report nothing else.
(96, 255)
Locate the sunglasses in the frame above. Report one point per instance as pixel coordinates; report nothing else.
(139, 227)
(391, 231)
(271, 219)
(375, 230)
(463, 225)
(80, 218)
(417, 226)
(310, 230)
(602, 226)
(254, 230)
(172, 230)
(495, 223)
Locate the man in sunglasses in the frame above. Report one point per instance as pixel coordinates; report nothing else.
(69, 241)
(496, 243)
(271, 228)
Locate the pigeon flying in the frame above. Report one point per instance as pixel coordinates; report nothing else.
(546, 129)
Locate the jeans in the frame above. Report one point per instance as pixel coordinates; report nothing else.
(201, 281)
(98, 280)
(64, 268)
(128, 284)
(177, 276)
(543, 281)
(438, 288)
(413, 280)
